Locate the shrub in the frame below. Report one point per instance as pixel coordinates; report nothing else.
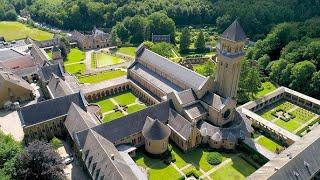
(192, 171)
(56, 143)
(214, 158)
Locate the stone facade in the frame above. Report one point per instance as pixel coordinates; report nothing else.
(96, 39)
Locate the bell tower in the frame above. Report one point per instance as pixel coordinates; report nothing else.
(230, 54)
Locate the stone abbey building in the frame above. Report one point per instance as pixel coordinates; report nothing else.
(185, 107)
(95, 39)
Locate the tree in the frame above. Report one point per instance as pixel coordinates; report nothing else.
(11, 15)
(264, 61)
(2, 14)
(214, 158)
(222, 22)
(285, 75)
(161, 24)
(114, 40)
(163, 48)
(200, 43)
(39, 161)
(301, 75)
(56, 143)
(185, 40)
(209, 69)
(276, 70)
(315, 84)
(9, 150)
(64, 46)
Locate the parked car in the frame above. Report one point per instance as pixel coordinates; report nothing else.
(68, 160)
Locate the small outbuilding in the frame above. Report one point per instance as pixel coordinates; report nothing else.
(156, 135)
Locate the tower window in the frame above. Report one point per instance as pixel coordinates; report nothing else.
(226, 65)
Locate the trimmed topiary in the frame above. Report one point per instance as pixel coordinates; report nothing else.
(214, 158)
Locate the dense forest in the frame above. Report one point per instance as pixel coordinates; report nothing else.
(290, 55)
(257, 17)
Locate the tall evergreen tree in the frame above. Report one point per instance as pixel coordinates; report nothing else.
(185, 40)
(200, 42)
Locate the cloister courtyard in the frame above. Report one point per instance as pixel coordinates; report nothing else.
(290, 116)
(116, 106)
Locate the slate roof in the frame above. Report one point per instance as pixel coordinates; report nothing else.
(234, 32)
(130, 124)
(49, 109)
(214, 100)
(195, 110)
(188, 77)
(153, 129)
(47, 71)
(58, 87)
(103, 160)
(8, 54)
(78, 120)
(155, 79)
(187, 96)
(14, 79)
(299, 161)
(179, 124)
(240, 128)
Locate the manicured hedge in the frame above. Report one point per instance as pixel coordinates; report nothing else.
(214, 158)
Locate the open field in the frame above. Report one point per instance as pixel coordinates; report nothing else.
(301, 116)
(110, 109)
(102, 76)
(12, 30)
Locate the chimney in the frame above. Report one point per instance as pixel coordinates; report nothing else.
(112, 156)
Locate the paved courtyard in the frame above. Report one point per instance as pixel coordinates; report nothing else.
(72, 171)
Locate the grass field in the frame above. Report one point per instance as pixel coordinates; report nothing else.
(76, 68)
(101, 59)
(108, 104)
(15, 30)
(112, 116)
(236, 170)
(75, 55)
(268, 143)
(106, 75)
(131, 51)
(266, 87)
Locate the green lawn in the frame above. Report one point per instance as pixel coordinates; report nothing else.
(125, 98)
(136, 108)
(269, 143)
(266, 88)
(236, 170)
(76, 68)
(50, 55)
(301, 115)
(75, 55)
(106, 75)
(196, 157)
(103, 59)
(282, 104)
(131, 51)
(112, 116)
(105, 105)
(14, 30)
(157, 169)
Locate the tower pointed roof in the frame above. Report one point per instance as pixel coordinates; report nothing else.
(155, 130)
(234, 32)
